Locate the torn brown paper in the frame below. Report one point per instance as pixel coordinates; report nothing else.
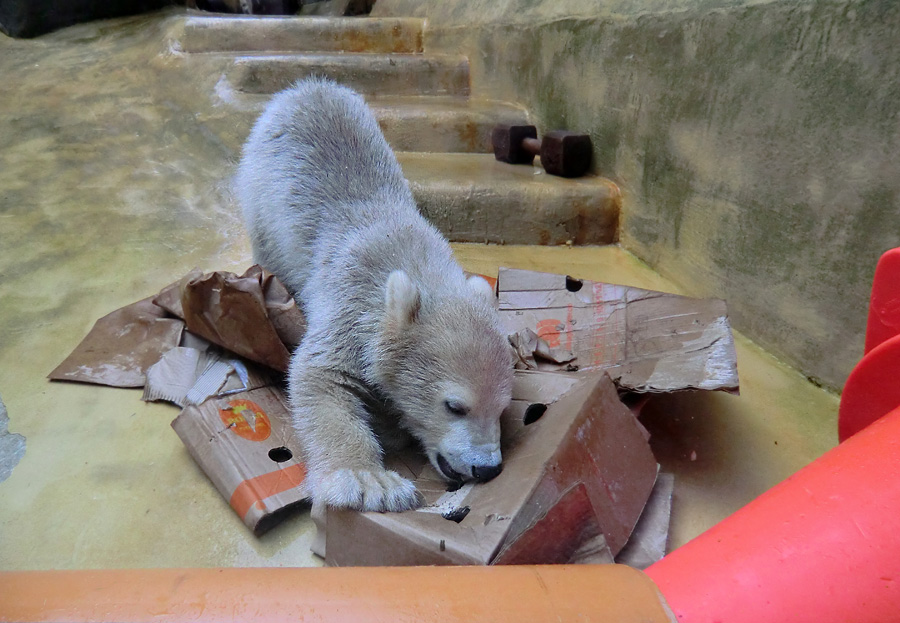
(169, 298)
(122, 346)
(251, 315)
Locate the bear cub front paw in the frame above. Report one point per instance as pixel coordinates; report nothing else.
(366, 490)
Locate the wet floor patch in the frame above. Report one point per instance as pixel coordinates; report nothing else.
(12, 446)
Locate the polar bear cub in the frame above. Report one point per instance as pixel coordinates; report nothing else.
(399, 341)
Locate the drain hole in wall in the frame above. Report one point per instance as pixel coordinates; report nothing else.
(533, 413)
(280, 455)
(573, 285)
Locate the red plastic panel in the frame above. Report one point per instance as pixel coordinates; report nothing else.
(821, 547)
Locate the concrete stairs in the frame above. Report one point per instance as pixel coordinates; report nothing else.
(423, 103)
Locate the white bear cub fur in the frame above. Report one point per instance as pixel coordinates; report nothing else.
(399, 340)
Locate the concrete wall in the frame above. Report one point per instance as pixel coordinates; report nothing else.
(757, 143)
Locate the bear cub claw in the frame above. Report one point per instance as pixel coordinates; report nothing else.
(367, 490)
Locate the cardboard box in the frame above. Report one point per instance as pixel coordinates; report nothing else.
(244, 443)
(577, 469)
(647, 341)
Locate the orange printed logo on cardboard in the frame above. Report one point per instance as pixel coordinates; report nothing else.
(246, 419)
(548, 330)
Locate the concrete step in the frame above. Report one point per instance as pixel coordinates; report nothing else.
(442, 124)
(474, 198)
(384, 74)
(298, 34)
(414, 123)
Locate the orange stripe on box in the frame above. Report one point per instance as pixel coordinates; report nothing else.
(255, 490)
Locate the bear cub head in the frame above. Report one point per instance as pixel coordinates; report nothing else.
(446, 365)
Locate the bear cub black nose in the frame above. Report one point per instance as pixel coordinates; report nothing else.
(483, 473)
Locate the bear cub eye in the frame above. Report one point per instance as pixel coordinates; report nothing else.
(456, 407)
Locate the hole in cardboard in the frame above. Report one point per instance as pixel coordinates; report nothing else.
(457, 514)
(572, 284)
(533, 413)
(280, 455)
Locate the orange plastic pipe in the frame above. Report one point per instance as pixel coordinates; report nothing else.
(821, 547)
(371, 595)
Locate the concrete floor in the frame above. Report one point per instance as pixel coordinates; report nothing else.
(113, 183)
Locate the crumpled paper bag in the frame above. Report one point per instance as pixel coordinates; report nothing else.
(252, 315)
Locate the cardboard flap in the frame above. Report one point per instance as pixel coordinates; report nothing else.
(649, 539)
(603, 447)
(556, 536)
(244, 443)
(647, 341)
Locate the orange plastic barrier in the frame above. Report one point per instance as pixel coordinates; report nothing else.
(362, 595)
(821, 547)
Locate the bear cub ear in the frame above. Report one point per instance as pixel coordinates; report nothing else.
(482, 287)
(401, 298)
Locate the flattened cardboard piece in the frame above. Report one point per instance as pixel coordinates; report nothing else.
(231, 311)
(647, 341)
(121, 346)
(244, 445)
(580, 435)
(648, 542)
